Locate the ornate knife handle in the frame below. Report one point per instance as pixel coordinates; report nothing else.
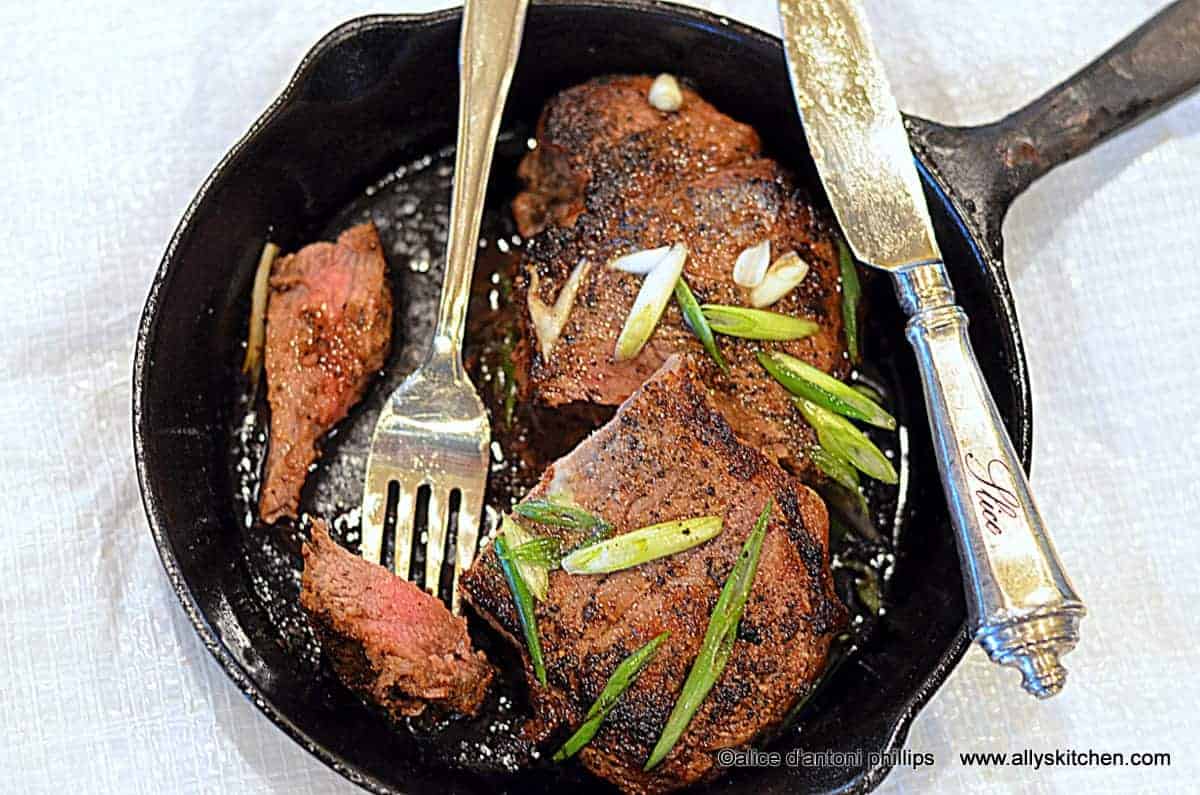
(1023, 609)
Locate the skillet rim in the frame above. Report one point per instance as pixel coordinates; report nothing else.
(869, 778)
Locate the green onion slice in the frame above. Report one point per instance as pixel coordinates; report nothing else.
(870, 393)
(756, 324)
(257, 332)
(718, 641)
(698, 323)
(640, 546)
(806, 381)
(840, 438)
(650, 303)
(840, 472)
(836, 467)
(866, 585)
(534, 576)
(525, 611)
(851, 292)
(545, 553)
(618, 683)
(557, 512)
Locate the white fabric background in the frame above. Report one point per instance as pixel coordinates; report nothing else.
(111, 114)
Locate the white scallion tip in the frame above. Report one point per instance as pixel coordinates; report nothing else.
(751, 265)
(549, 321)
(640, 262)
(782, 277)
(650, 303)
(665, 93)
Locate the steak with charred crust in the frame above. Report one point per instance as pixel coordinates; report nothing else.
(670, 454)
(612, 175)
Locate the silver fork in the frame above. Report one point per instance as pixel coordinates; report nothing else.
(433, 430)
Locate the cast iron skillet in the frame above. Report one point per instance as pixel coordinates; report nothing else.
(380, 91)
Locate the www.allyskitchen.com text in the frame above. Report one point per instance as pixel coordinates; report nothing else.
(1065, 757)
(904, 757)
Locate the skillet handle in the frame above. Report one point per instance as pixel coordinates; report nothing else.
(1139, 76)
(1023, 610)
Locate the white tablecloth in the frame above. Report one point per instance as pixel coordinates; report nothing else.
(111, 114)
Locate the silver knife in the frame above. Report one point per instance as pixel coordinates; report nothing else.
(1023, 609)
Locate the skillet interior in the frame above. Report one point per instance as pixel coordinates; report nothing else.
(378, 93)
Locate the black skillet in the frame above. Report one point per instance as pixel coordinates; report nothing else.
(379, 92)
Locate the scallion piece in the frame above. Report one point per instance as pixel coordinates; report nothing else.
(507, 383)
(870, 393)
(840, 472)
(640, 263)
(698, 323)
(525, 611)
(803, 380)
(545, 553)
(839, 437)
(617, 684)
(535, 577)
(650, 303)
(866, 584)
(257, 332)
(782, 277)
(555, 512)
(836, 467)
(756, 324)
(718, 641)
(851, 291)
(640, 546)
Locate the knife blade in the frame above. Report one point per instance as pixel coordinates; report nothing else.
(855, 133)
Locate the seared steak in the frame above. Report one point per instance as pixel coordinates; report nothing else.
(669, 454)
(387, 639)
(329, 327)
(612, 175)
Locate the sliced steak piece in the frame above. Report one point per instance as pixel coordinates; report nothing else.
(388, 640)
(602, 140)
(614, 176)
(329, 327)
(669, 454)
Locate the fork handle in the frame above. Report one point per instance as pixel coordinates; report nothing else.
(1023, 610)
(487, 55)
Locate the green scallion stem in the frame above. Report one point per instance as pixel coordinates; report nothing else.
(870, 393)
(618, 683)
(839, 437)
(840, 472)
(509, 380)
(557, 513)
(545, 552)
(535, 577)
(837, 468)
(803, 380)
(866, 585)
(718, 641)
(696, 321)
(525, 611)
(851, 292)
(640, 546)
(756, 324)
